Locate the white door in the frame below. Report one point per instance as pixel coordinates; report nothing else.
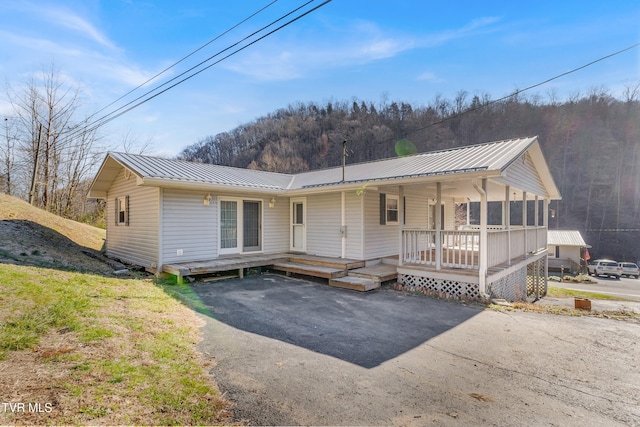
(298, 225)
(229, 227)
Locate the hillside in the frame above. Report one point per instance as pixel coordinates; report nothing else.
(591, 143)
(32, 236)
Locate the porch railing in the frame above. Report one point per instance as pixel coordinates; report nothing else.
(460, 248)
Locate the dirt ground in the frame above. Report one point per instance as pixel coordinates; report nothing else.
(387, 358)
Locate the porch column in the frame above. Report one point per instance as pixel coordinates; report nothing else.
(524, 220)
(343, 223)
(484, 247)
(438, 225)
(507, 220)
(400, 224)
(535, 221)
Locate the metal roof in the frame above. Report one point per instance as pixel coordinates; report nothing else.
(490, 159)
(179, 170)
(565, 238)
(492, 156)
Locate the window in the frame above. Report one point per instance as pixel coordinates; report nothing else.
(392, 209)
(122, 210)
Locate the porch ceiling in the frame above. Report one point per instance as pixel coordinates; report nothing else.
(463, 190)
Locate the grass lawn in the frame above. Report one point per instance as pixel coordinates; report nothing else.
(95, 350)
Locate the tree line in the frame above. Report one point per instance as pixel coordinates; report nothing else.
(591, 142)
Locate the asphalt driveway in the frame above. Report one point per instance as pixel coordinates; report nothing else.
(294, 352)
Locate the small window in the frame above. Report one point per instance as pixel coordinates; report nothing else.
(392, 209)
(122, 210)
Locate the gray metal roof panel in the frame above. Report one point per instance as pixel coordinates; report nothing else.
(180, 170)
(565, 238)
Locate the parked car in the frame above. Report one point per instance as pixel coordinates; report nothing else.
(629, 269)
(604, 267)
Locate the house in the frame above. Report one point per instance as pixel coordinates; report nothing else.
(567, 251)
(164, 214)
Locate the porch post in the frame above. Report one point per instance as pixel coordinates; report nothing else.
(343, 223)
(535, 221)
(438, 225)
(524, 220)
(401, 215)
(484, 247)
(507, 220)
(468, 211)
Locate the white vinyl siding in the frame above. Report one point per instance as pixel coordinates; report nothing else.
(137, 241)
(323, 225)
(354, 205)
(277, 226)
(188, 225)
(523, 174)
(379, 240)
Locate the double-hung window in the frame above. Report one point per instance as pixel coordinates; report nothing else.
(122, 210)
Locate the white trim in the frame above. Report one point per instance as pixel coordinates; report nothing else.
(239, 249)
(386, 209)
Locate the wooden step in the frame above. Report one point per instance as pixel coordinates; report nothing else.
(344, 264)
(310, 270)
(354, 283)
(378, 272)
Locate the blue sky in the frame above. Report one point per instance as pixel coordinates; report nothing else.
(367, 50)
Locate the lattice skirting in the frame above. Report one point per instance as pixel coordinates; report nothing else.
(521, 284)
(447, 288)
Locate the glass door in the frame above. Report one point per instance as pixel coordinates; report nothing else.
(229, 227)
(251, 225)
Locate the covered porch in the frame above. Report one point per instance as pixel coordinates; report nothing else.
(496, 247)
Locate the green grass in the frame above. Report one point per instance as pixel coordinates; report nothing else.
(126, 340)
(555, 292)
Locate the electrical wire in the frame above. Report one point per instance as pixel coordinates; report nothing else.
(517, 92)
(184, 58)
(122, 110)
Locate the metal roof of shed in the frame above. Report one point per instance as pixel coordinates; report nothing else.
(565, 238)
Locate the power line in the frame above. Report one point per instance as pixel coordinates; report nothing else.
(112, 115)
(517, 92)
(184, 58)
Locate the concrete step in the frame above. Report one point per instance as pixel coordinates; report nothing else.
(354, 283)
(344, 264)
(310, 270)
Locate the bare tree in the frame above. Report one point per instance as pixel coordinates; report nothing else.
(58, 147)
(8, 157)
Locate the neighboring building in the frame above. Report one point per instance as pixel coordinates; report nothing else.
(162, 212)
(567, 251)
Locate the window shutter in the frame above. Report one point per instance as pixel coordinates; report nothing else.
(404, 210)
(383, 209)
(126, 210)
(117, 210)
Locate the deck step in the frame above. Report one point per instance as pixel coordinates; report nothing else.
(310, 270)
(344, 264)
(378, 272)
(355, 283)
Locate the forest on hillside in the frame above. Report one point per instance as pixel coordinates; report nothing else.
(591, 143)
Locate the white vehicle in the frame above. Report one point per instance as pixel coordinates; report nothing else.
(629, 269)
(604, 267)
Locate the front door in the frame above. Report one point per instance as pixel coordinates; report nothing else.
(251, 225)
(298, 225)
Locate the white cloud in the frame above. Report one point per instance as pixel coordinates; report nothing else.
(364, 43)
(429, 76)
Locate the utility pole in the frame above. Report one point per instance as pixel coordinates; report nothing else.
(35, 166)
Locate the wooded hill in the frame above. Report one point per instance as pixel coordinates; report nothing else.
(591, 142)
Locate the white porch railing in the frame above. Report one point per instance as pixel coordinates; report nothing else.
(460, 248)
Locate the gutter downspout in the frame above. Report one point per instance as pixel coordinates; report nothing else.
(482, 270)
(343, 223)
